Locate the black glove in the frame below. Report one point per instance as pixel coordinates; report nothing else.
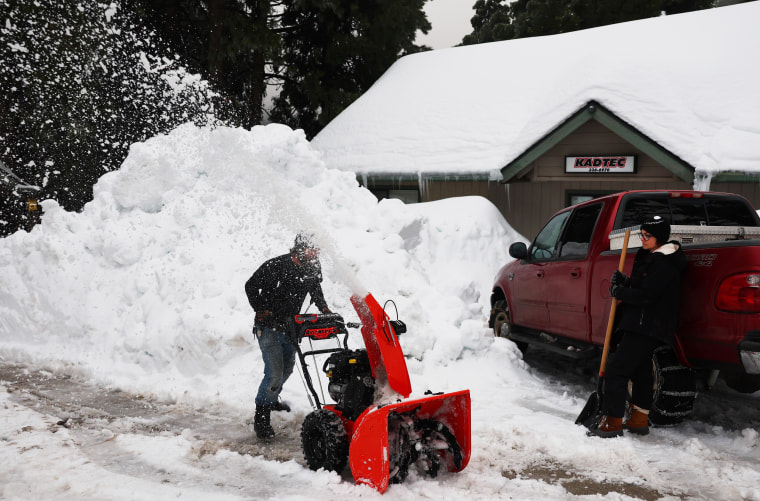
(616, 291)
(619, 279)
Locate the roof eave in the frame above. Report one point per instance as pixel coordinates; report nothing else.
(418, 176)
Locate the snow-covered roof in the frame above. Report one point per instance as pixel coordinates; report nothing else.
(689, 82)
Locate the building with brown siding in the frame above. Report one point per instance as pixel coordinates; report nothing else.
(678, 109)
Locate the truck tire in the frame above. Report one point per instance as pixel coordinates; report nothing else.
(675, 389)
(324, 441)
(502, 323)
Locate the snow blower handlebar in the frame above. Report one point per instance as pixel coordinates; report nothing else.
(326, 326)
(398, 326)
(318, 327)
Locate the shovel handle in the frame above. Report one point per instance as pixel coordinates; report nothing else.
(613, 307)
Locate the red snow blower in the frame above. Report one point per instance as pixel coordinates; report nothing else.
(381, 441)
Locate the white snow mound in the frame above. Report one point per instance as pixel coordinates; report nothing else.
(144, 288)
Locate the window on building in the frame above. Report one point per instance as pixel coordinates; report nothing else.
(573, 197)
(406, 195)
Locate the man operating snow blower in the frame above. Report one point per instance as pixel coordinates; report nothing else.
(276, 292)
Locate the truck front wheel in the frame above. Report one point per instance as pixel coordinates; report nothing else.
(675, 389)
(502, 323)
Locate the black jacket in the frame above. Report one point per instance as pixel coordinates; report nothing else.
(651, 301)
(280, 286)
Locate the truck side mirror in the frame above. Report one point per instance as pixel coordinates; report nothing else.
(518, 250)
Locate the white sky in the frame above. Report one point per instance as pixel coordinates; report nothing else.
(450, 20)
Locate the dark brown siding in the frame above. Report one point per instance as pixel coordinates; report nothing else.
(750, 191)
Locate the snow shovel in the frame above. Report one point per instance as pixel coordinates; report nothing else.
(590, 414)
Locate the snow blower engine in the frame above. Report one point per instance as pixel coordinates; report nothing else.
(351, 384)
(382, 441)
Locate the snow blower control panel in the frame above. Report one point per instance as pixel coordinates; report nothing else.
(318, 327)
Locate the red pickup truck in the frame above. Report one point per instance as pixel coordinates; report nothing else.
(556, 292)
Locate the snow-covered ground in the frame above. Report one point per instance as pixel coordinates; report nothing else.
(142, 293)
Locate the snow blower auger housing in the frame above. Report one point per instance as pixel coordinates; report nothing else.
(380, 441)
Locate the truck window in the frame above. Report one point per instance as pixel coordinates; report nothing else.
(710, 210)
(546, 243)
(730, 213)
(637, 209)
(579, 230)
(689, 211)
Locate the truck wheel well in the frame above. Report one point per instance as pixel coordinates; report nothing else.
(496, 295)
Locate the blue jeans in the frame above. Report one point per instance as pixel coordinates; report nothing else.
(279, 357)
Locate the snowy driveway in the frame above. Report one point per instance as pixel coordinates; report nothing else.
(64, 438)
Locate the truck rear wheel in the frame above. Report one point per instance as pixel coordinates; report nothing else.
(502, 323)
(324, 441)
(675, 389)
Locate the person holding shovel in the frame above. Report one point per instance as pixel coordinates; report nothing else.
(647, 317)
(276, 292)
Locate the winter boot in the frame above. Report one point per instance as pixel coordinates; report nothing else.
(281, 406)
(638, 423)
(607, 427)
(261, 424)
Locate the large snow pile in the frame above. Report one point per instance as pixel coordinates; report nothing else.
(144, 289)
(687, 81)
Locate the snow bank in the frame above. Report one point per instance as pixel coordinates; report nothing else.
(144, 288)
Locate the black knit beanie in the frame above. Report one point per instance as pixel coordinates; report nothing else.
(658, 228)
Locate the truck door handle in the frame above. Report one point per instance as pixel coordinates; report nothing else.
(575, 273)
(540, 274)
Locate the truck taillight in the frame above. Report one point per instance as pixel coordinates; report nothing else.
(740, 293)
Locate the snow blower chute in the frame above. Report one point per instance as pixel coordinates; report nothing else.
(381, 441)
